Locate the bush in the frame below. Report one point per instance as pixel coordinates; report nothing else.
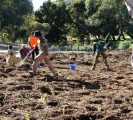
(74, 47)
(124, 45)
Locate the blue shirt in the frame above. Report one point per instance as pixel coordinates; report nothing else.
(98, 46)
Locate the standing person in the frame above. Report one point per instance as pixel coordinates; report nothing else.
(98, 49)
(132, 58)
(43, 55)
(33, 42)
(129, 5)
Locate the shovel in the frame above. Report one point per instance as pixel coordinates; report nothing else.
(22, 61)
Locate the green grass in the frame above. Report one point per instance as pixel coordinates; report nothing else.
(74, 47)
(125, 44)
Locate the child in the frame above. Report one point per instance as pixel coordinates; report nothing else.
(10, 56)
(23, 51)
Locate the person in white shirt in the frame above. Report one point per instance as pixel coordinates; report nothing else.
(129, 5)
(132, 58)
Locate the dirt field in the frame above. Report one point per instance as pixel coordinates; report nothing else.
(76, 95)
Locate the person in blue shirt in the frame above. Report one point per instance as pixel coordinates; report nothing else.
(132, 57)
(99, 50)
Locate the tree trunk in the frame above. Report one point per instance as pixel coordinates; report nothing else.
(113, 37)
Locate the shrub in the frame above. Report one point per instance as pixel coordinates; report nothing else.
(124, 45)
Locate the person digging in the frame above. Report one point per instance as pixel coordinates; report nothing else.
(43, 55)
(99, 50)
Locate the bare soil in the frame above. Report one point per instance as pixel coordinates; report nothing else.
(78, 94)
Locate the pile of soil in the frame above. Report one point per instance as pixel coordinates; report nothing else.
(78, 94)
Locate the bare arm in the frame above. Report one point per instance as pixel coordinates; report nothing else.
(129, 3)
(46, 47)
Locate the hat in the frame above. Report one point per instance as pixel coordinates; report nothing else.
(37, 33)
(10, 47)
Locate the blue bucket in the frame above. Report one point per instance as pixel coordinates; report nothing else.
(72, 66)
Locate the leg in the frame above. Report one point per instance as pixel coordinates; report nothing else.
(37, 51)
(95, 60)
(36, 60)
(33, 56)
(105, 59)
(49, 64)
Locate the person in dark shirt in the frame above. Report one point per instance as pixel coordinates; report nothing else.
(98, 49)
(23, 51)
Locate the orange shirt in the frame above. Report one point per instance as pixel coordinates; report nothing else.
(33, 41)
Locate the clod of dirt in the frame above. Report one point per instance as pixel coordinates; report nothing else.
(126, 111)
(8, 70)
(87, 117)
(118, 101)
(44, 89)
(1, 97)
(91, 108)
(119, 77)
(112, 118)
(3, 75)
(53, 103)
(96, 102)
(24, 87)
(26, 67)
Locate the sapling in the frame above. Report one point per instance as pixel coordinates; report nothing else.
(131, 112)
(46, 80)
(27, 116)
(83, 87)
(43, 98)
(99, 108)
(131, 100)
(64, 108)
(52, 91)
(5, 96)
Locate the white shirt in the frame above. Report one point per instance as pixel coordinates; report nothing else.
(129, 5)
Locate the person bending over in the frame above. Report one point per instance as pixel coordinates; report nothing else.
(43, 55)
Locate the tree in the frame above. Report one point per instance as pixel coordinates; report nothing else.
(56, 15)
(12, 14)
(106, 17)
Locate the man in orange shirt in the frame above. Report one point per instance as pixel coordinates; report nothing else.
(33, 42)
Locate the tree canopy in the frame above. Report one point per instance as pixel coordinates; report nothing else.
(61, 19)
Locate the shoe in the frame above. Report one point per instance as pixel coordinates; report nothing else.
(32, 73)
(55, 75)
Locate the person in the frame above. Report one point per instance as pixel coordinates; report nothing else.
(23, 51)
(10, 57)
(43, 55)
(132, 58)
(33, 42)
(98, 49)
(129, 5)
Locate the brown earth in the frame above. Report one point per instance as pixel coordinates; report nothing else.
(75, 95)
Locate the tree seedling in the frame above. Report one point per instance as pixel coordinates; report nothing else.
(99, 108)
(131, 100)
(52, 91)
(27, 116)
(64, 108)
(43, 98)
(83, 87)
